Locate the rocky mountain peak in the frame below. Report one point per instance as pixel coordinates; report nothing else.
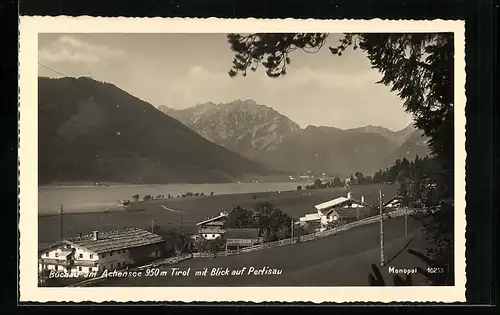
(243, 126)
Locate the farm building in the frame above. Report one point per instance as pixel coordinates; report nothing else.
(337, 210)
(234, 238)
(214, 227)
(237, 238)
(97, 252)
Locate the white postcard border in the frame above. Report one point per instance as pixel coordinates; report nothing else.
(30, 27)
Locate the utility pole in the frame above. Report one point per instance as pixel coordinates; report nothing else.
(181, 221)
(406, 221)
(152, 226)
(382, 254)
(61, 218)
(292, 231)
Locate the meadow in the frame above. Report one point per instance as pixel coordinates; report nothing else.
(186, 212)
(343, 259)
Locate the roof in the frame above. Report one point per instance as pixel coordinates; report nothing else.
(310, 217)
(339, 201)
(221, 216)
(242, 233)
(114, 240)
(331, 203)
(397, 198)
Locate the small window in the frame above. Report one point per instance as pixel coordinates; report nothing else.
(118, 265)
(57, 254)
(111, 266)
(111, 253)
(91, 256)
(79, 268)
(80, 256)
(103, 255)
(47, 255)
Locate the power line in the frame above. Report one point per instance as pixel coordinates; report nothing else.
(55, 71)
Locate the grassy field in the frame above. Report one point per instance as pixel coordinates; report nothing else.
(196, 209)
(339, 260)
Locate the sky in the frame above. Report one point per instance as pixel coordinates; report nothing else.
(182, 70)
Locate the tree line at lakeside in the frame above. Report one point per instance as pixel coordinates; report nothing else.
(418, 180)
(148, 197)
(401, 171)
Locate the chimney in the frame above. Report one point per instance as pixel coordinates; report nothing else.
(363, 199)
(95, 235)
(349, 195)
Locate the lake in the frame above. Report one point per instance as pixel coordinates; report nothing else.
(99, 198)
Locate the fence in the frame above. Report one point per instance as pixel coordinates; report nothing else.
(166, 261)
(207, 255)
(318, 235)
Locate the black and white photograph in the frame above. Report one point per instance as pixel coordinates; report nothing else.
(233, 159)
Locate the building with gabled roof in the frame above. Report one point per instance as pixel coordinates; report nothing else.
(213, 228)
(96, 252)
(334, 210)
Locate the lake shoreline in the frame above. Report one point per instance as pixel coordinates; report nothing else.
(101, 184)
(135, 205)
(295, 203)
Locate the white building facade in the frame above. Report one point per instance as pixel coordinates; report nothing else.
(328, 212)
(92, 254)
(213, 228)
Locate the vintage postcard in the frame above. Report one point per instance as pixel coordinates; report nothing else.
(241, 160)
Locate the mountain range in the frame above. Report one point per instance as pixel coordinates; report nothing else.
(94, 131)
(262, 134)
(241, 126)
(91, 131)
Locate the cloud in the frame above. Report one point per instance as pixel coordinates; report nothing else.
(327, 79)
(197, 71)
(69, 49)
